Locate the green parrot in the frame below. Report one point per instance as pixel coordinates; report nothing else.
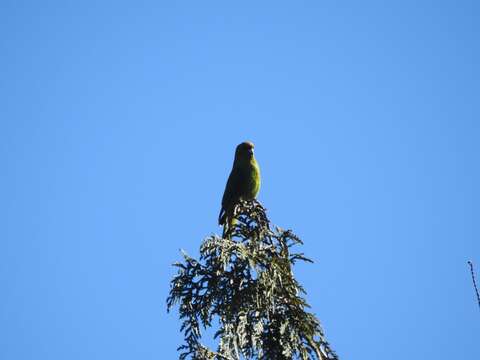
(243, 183)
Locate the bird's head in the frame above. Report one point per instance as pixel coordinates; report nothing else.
(244, 151)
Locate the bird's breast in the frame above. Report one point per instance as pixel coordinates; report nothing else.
(252, 181)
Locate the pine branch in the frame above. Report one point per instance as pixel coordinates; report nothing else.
(245, 280)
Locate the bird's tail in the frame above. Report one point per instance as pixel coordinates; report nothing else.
(226, 219)
(222, 216)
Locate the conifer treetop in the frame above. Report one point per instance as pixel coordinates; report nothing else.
(244, 283)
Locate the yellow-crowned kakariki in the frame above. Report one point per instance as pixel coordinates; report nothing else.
(243, 183)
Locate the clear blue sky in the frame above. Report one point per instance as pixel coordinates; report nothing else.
(118, 123)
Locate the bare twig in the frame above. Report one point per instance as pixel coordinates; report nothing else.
(474, 281)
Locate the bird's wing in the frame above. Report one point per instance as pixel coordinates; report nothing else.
(231, 194)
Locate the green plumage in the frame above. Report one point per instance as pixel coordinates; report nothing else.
(243, 182)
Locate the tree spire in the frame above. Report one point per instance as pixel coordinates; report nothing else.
(245, 282)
